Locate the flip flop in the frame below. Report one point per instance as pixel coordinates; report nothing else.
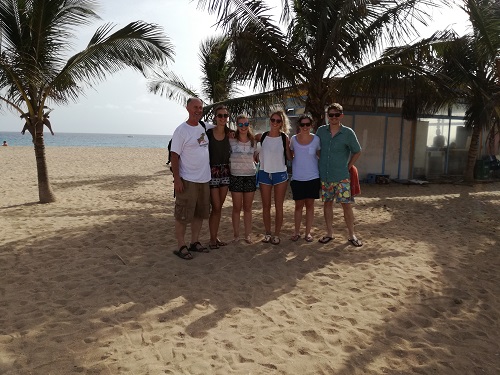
(295, 237)
(275, 240)
(267, 238)
(325, 239)
(183, 255)
(220, 243)
(198, 248)
(355, 242)
(308, 238)
(213, 247)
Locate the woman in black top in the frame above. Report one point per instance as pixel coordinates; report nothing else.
(219, 150)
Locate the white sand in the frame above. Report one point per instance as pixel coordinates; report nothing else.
(89, 284)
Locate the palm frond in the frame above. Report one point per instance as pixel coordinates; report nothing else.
(169, 85)
(138, 45)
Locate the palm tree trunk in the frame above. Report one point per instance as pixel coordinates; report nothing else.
(44, 191)
(472, 155)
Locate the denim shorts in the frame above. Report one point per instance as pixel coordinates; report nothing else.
(272, 178)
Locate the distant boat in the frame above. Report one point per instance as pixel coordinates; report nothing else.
(130, 136)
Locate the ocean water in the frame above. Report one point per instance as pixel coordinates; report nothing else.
(88, 140)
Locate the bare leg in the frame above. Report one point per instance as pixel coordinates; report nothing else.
(217, 196)
(180, 233)
(349, 219)
(328, 214)
(195, 229)
(279, 199)
(309, 215)
(265, 193)
(235, 215)
(297, 215)
(247, 213)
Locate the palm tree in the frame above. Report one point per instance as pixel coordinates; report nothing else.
(444, 69)
(323, 39)
(217, 81)
(34, 38)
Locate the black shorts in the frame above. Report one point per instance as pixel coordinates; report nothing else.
(242, 184)
(305, 189)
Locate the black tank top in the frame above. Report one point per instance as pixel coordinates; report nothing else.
(219, 150)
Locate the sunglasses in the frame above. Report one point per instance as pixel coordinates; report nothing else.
(243, 124)
(302, 124)
(276, 120)
(334, 114)
(222, 115)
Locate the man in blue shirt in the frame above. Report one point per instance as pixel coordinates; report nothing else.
(339, 151)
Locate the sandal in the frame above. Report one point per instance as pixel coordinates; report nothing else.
(267, 238)
(213, 247)
(295, 237)
(308, 238)
(198, 248)
(248, 239)
(325, 239)
(183, 254)
(275, 240)
(355, 242)
(220, 243)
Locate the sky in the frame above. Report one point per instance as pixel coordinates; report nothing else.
(122, 103)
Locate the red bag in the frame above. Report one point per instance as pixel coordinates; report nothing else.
(355, 187)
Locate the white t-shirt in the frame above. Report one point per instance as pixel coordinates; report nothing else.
(191, 144)
(305, 165)
(271, 157)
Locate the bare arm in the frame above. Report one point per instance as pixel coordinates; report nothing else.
(289, 155)
(178, 185)
(353, 160)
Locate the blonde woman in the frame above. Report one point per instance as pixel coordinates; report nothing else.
(242, 183)
(273, 151)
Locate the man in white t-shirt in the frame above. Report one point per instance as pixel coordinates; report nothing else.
(191, 169)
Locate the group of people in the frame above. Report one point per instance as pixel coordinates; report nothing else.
(206, 164)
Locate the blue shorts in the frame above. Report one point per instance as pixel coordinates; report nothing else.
(272, 178)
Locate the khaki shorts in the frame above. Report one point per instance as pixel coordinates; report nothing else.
(193, 202)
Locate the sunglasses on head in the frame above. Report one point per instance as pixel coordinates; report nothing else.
(334, 114)
(221, 115)
(276, 120)
(243, 124)
(302, 124)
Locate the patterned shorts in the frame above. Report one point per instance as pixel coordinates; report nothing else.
(243, 184)
(220, 175)
(338, 191)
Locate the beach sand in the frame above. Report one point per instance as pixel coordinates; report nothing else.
(89, 284)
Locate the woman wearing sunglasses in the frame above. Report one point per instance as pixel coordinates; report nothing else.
(273, 153)
(242, 183)
(219, 150)
(305, 181)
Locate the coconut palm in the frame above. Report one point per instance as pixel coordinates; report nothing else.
(219, 84)
(217, 81)
(444, 69)
(323, 39)
(34, 38)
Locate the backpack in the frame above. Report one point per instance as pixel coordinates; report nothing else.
(170, 144)
(283, 138)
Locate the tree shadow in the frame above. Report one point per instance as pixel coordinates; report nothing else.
(75, 290)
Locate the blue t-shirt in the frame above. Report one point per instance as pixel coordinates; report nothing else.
(336, 152)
